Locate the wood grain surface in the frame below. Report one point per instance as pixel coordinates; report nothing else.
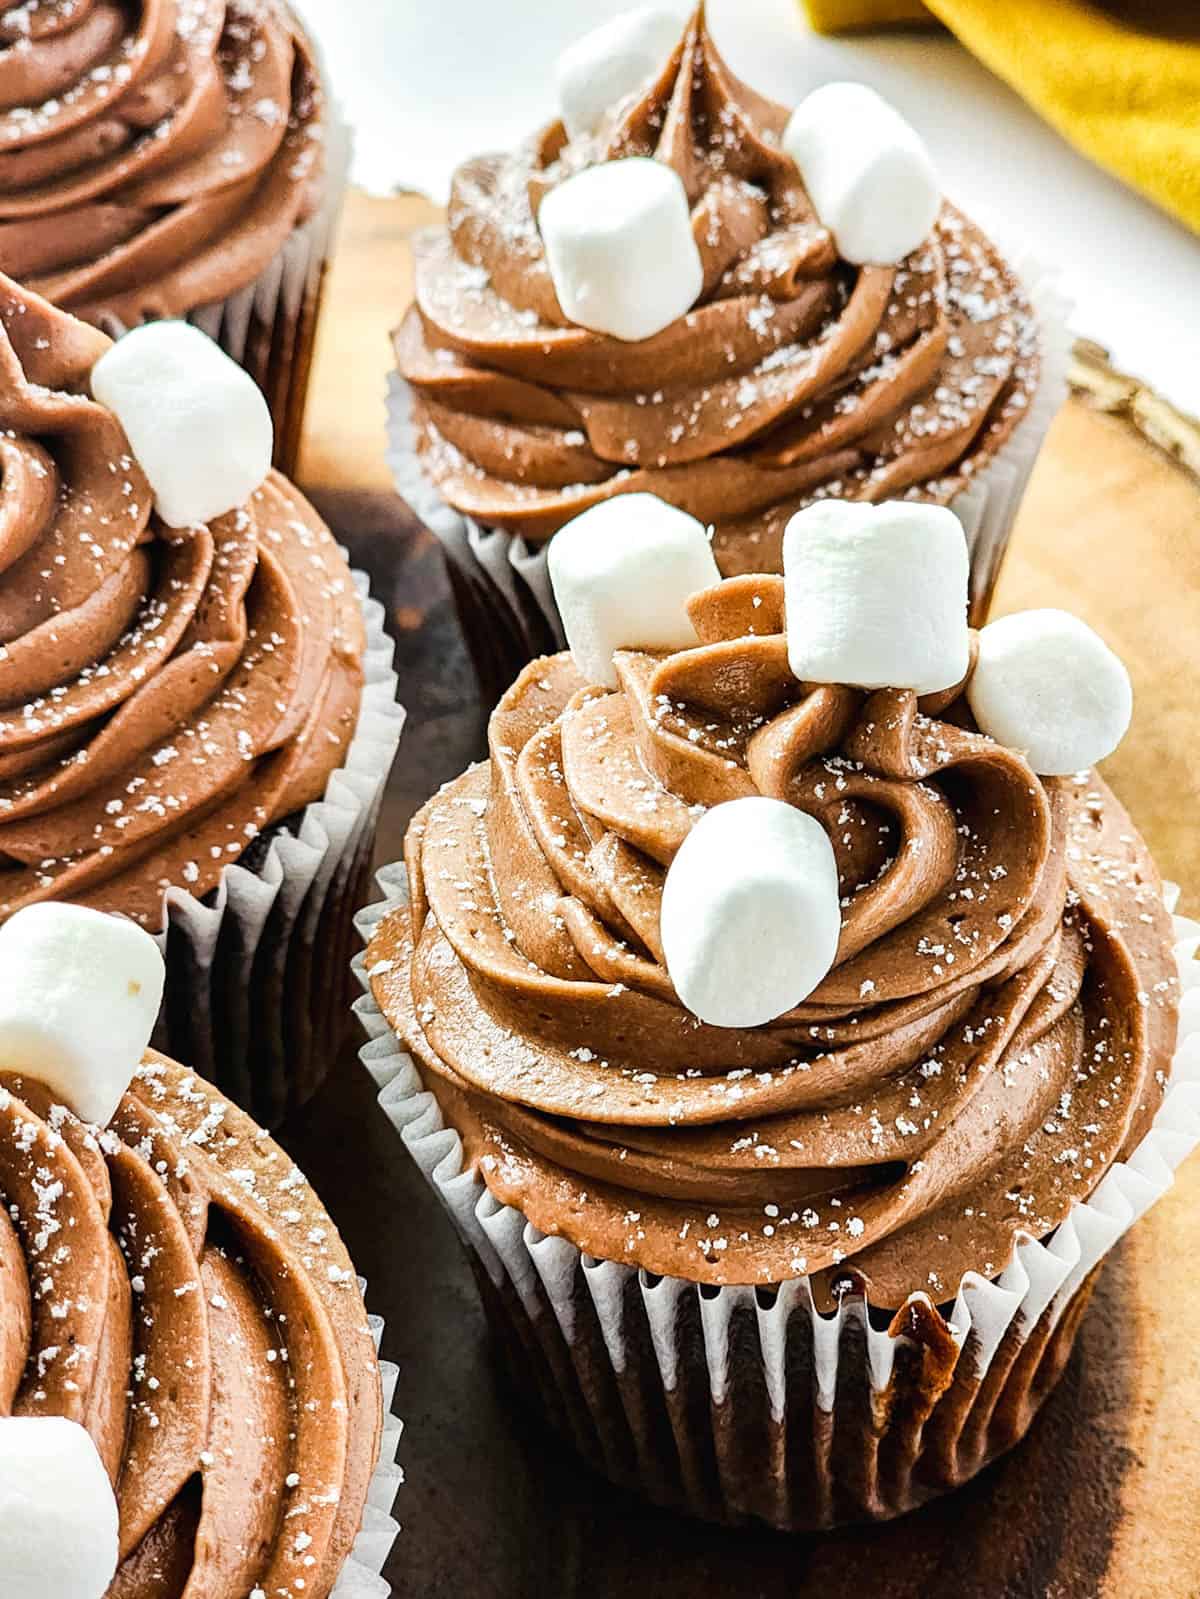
(1102, 1499)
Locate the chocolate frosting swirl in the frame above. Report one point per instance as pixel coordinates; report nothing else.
(165, 693)
(172, 1284)
(153, 158)
(993, 1035)
(794, 376)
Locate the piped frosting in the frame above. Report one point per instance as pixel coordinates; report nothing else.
(993, 1034)
(794, 376)
(172, 1284)
(165, 694)
(156, 158)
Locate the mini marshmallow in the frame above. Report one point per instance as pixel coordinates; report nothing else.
(610, 62)
(1045, 684)
(619, 246)
(622, 573)
(58, 1513)
(751, 914)
(79, 996)
(876, 595)
(197, 424)
(867, 172)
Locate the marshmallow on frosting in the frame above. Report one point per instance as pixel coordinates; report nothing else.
(876, 595)
(619, 248)
(610, 62)
(79, 996)
(867, 172)
(1046, 684)
(198, 425)
(58, 1513)
(751, 914)
(622, 573)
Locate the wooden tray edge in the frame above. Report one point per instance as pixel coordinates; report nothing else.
(1093, 376)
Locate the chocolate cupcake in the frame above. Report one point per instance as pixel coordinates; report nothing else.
(806, 342)
(190, 1396)
(789, 1050)
(175, 160)
(198, 714)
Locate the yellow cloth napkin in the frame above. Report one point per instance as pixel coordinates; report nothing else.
(1124, 92)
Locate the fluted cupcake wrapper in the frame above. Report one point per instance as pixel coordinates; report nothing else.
(269, 326)
(361, 1577)
(257, 993)
(736, 1403)
(988, 506)
(501, 582)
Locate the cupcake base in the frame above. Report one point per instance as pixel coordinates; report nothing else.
(737, 1404)
(501, 583)
(873, 1455)
(257, 988)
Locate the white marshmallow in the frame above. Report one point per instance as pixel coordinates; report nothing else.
(79, 995)
(751, 914)
(867, 172)
(1045, 684)
(876, 595)
(58, 1513)
(619, 246)
(610, 62)
(622, 573)
(197, 424)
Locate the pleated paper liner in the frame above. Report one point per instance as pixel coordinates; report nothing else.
(738, 1404)
(361, 1577)
(257, 990)
(269, 326)
(501, 583)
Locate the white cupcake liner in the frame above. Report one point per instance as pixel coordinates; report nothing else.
(786, 1430)
(988, 506)
(361, 1576)
(502, 582)
(268, 326)
(255, 1000)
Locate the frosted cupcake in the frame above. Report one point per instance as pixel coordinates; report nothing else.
(190, 1396)
(774, 308)
(789, 1048)
(197, 709)
(180, 162)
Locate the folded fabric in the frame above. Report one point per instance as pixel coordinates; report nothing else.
(1124, 91)
(840, 16)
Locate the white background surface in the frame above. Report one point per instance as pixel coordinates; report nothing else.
(429, 82)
